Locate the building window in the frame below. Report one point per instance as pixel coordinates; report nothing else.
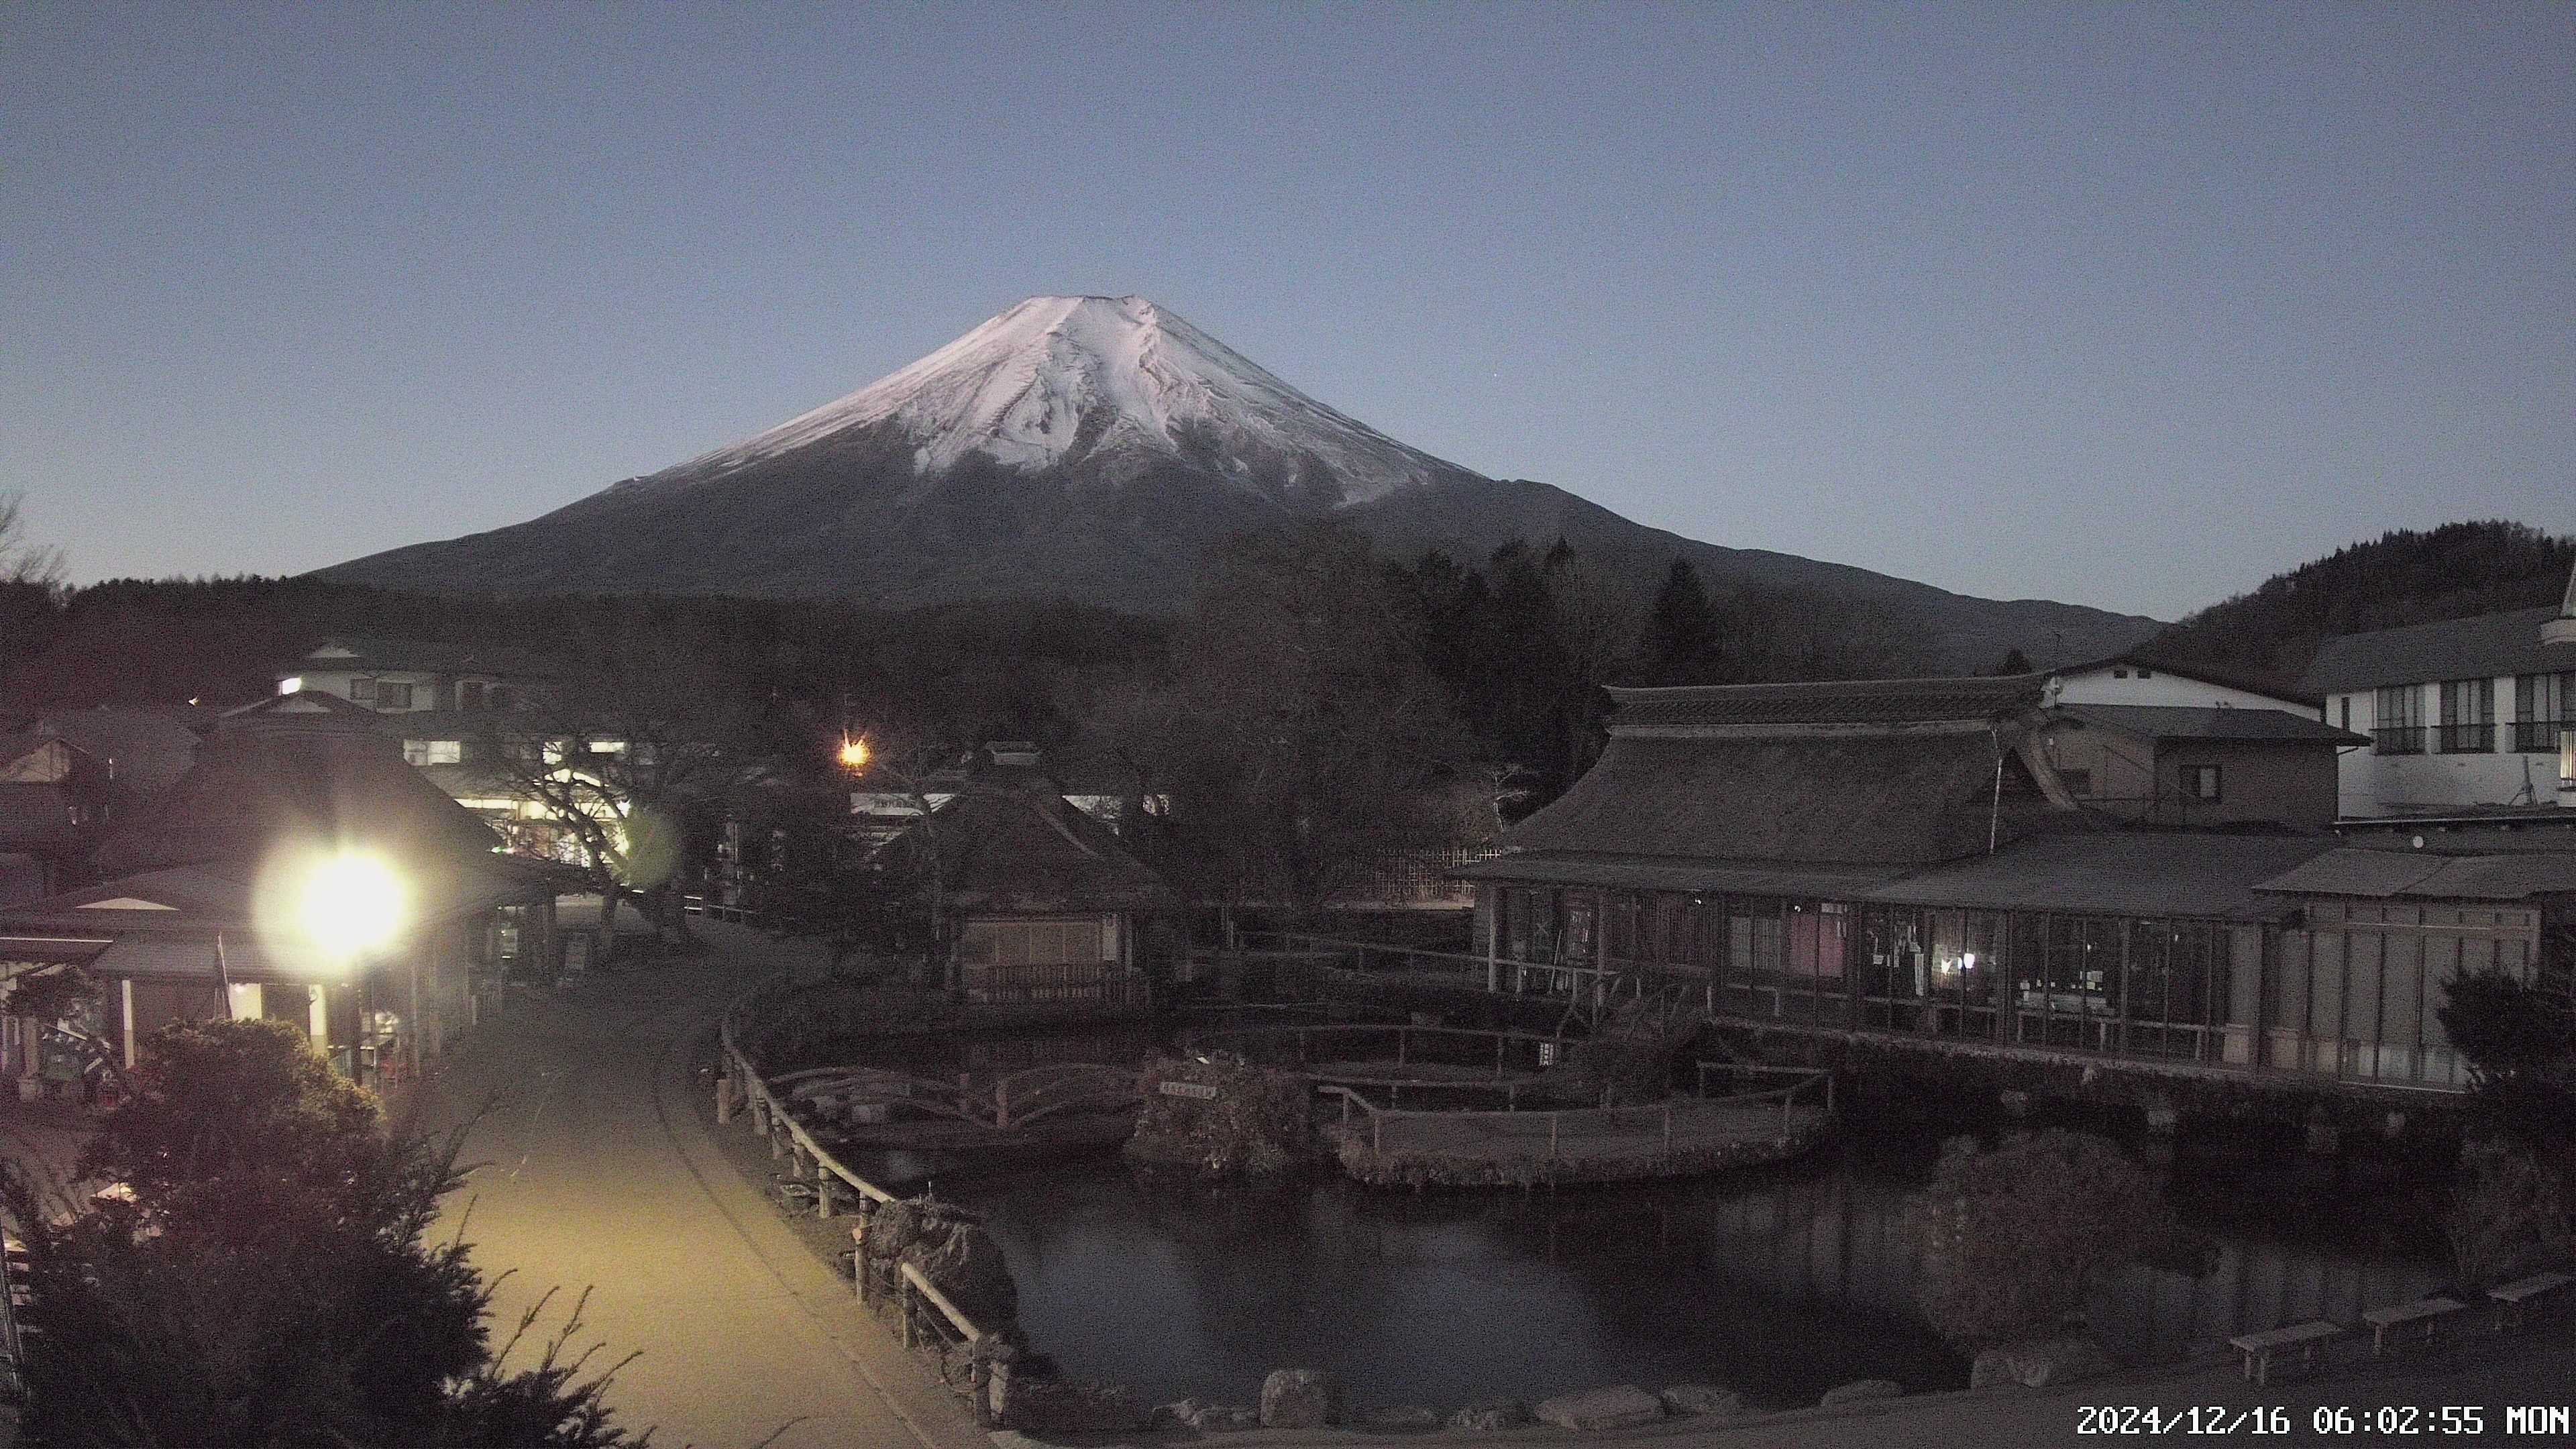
(2200, 782)
(469, 694)
(2119, 674)
(363, 691)
(2543, 704)
(2146, 674)
(2344, 705)
(2468, 717)
(433, 752)
(2078, 782)
(2397, 720)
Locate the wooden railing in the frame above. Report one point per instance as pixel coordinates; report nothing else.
(1567, 1124)
(923, 1310)
(1015, 1099)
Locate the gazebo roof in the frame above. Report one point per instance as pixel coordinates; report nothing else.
(1008, 842)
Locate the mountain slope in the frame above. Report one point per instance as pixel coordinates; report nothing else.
(2405, 576)
(1092, 448)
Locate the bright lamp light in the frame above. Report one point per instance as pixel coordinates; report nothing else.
(351, 904)
(854, 754)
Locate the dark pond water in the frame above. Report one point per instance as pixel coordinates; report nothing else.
(1778, 1286)
(1778, 1283)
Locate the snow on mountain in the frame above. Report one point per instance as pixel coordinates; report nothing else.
(1114, 382)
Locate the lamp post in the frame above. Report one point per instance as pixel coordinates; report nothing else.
(349, 906)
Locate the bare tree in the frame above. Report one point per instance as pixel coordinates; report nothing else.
(1303, 724)
(643, 730)
(22, 562)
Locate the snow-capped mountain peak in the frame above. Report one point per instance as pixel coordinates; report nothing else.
(1116, 384)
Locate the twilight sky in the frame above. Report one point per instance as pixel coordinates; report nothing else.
(2122, 305)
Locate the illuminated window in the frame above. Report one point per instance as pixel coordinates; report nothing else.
(289, 685)
(2200, 782)
(433, 752)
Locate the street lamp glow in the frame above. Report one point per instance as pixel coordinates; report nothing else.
(352, 904)
(854, 754)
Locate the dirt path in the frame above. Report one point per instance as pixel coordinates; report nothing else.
(598, 1172)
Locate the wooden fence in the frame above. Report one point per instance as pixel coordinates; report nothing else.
(1562, 1127)
(923, 1310)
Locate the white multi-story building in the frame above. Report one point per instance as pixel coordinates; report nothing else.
(2464, 715)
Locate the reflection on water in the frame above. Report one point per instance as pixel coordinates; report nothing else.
(1778, 1285)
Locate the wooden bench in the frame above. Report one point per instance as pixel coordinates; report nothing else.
(2259, 1347)
(2510, 1298)
(2426, 1311)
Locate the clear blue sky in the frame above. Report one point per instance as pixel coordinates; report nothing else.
(2127, 305)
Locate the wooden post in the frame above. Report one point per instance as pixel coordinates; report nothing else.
(1551, 1134)
(911, 1307)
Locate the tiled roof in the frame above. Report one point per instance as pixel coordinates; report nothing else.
(1670, 873)
(1969, 699)
(2478, 648)
(426, 656)
(2179, 722)
(2123, 873)
(2384, 874)
(2221, 675)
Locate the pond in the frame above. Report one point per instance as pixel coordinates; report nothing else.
(1778, 1284)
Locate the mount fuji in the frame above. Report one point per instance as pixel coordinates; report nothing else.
(1092, 448)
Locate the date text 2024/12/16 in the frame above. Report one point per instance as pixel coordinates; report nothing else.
(2401, 1420)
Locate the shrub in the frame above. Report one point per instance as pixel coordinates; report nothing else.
(2015, 1236)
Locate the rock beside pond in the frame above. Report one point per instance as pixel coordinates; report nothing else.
(1706, 1400)
(1500, 1414)
(1402, 1419)
(2038, 1365)
(1206, 1418)
(1859, 1390)
(1227, 1119)
(1623, 1407)
(1058, 1406)
(969, 1268)
(1300, 1399)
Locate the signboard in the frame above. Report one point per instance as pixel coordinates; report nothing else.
(1200, 1090)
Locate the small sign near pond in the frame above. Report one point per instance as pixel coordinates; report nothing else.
(1200, 1090)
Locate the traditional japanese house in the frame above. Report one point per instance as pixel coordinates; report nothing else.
(1040, 903)
(1903, 858)
(201, 893)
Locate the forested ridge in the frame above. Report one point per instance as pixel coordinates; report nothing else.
(2405, 576)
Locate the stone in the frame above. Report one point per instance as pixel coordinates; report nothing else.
(1706, 1400)
(1400, 1419)
(1300, 1399)
(1623, 1407)
(1861, 1390)
(970, 1269)
(2058, 1361)
(1057, 1406)
(1498, 1414)
(1993, 1369)
(1222, 1418)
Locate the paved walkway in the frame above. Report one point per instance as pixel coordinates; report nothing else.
(599, 1172)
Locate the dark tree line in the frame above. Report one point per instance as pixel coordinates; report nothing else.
(2406, 576)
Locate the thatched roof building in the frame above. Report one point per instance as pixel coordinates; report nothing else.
(298, 768)
(1871, 773)
(1008, 842)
